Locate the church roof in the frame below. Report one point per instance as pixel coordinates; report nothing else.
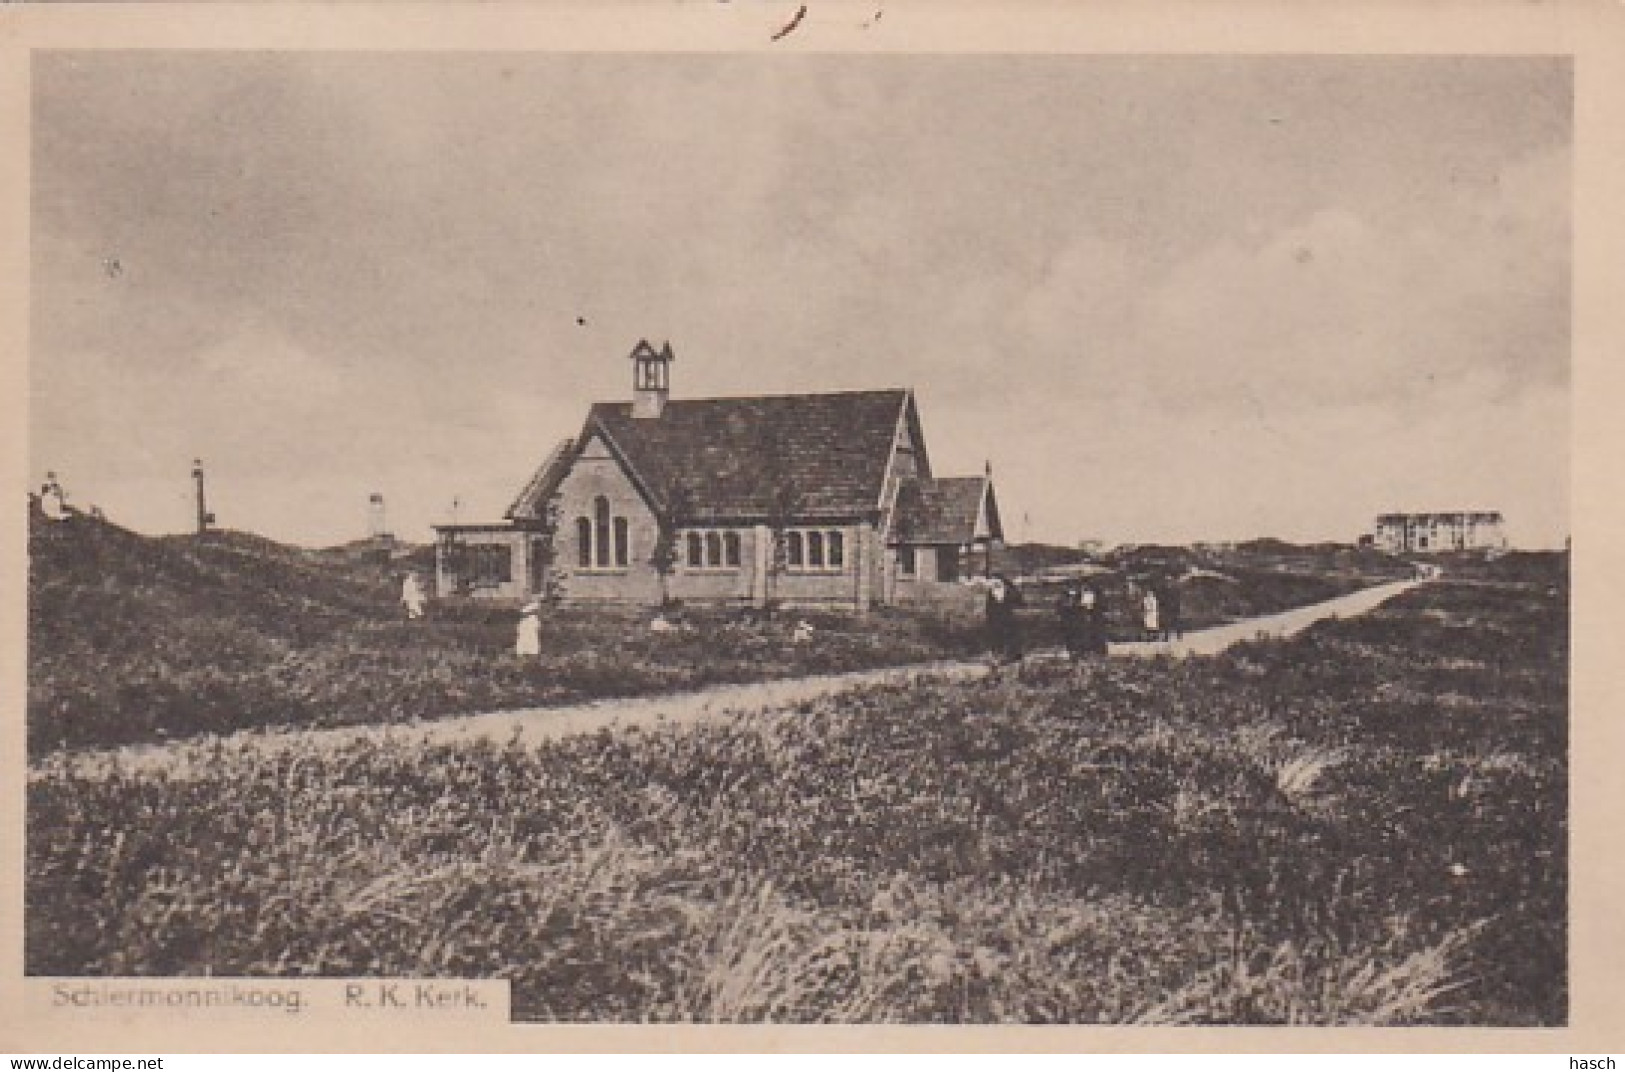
(945, 510)
(820, 455)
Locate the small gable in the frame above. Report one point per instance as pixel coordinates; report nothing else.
(948, 510)
(988, 524)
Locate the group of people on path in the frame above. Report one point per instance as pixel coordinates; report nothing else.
(1003, 627)
(1081, 611)
(1082, 615)
(1083, 622)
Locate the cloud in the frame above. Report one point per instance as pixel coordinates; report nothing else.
(365, 272)
(257, 367)
(1330, 309)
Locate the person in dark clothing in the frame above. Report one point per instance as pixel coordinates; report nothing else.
(1172, 628)
(1003, 629)
(1081, 623)
(1014, 647)
(1094, 619)
(1070, 611)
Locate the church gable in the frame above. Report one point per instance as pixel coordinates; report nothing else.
(606, 527)
(909, 460)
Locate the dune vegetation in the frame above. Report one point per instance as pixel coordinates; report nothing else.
(1363, 825)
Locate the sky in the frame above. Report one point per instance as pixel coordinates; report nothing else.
(1166, 298)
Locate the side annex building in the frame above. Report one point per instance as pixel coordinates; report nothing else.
(819, 500)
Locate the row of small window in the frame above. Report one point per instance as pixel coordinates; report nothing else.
(815, 549)
(712, 550)
(804, 550)
(603, 541)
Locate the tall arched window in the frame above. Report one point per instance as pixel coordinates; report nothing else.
(815, 550)
(600, 519)
(730, 548)
(603, 541)
(583, 542)
(713, 549)
(696, 551)
(794, 554)
(835, 556)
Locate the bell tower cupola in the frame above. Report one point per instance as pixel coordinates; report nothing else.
(651, 379)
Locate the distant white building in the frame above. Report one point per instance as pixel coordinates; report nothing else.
(1461, 530)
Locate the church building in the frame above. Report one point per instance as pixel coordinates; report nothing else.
(823, 500)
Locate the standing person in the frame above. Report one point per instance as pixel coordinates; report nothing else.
(528, 642)
(1172, 627)
(1003, 631)
(1012, 634)
(1074, 622)
(997, 617)
(413, 597)
(1150, 617)
(1094, 622)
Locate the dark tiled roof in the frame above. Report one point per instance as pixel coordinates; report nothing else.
(727, 455)
(941, 511)
(528, 505)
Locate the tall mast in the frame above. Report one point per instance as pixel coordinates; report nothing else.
(204, 518)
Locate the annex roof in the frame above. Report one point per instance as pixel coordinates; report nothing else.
(947, 510)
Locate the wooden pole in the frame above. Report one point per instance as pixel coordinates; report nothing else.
(202, 502)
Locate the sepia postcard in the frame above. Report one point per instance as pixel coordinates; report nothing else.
(816, 526)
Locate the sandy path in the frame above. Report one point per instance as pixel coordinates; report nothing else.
(1286, 623)
(532, 725)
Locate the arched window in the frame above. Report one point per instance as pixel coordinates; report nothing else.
(696, 551)
(623, 541)
(836, 552)
(815, 550)
(600, 511)
(794, 554)
(713, 549)
(730, 548)
(583, 542)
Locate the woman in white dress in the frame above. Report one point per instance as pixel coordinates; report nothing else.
(1153, 620)
(529, 642)
(412, 596)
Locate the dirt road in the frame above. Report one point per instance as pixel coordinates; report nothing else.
(529, 726)
(1286, 623)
